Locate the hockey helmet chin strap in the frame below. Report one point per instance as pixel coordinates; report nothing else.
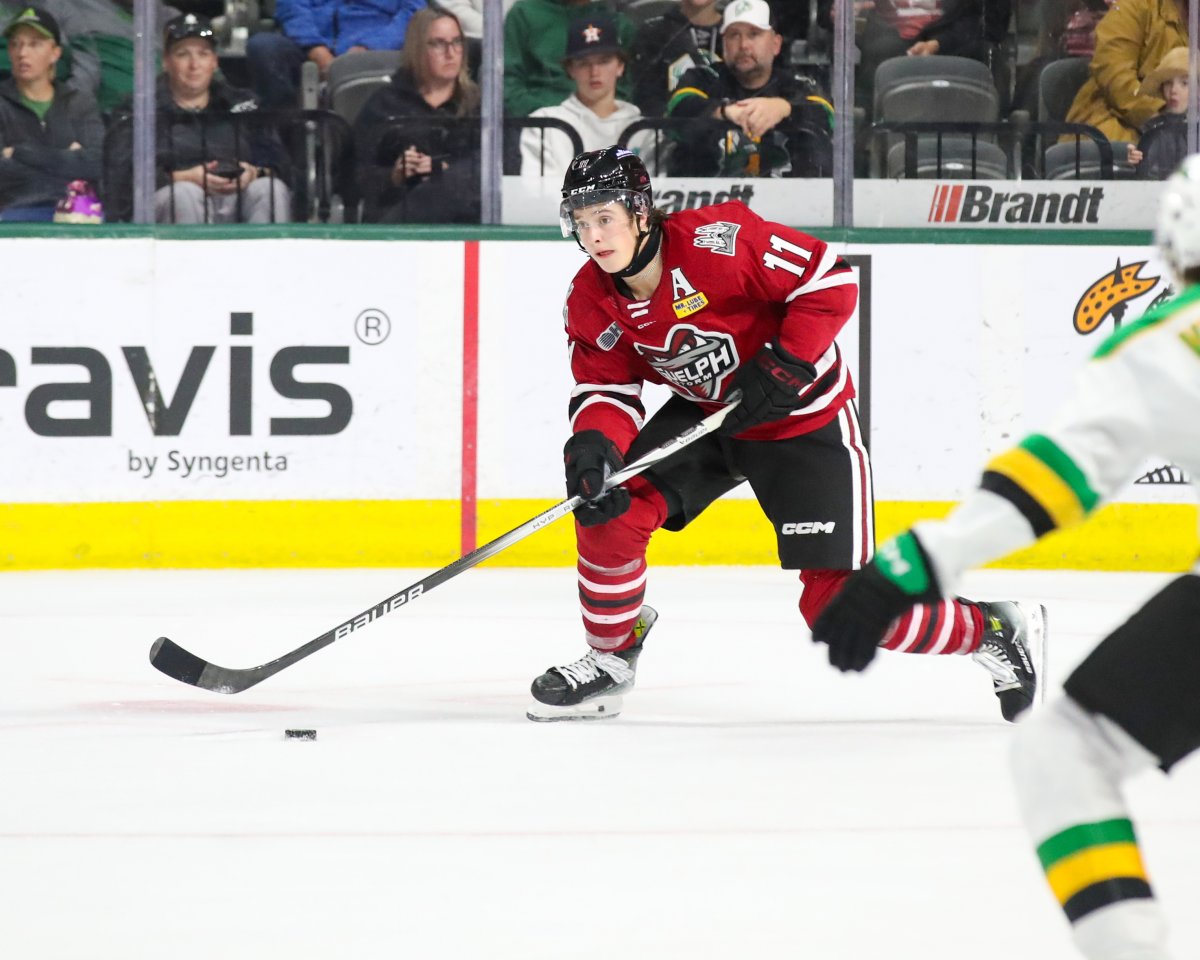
(648, 243)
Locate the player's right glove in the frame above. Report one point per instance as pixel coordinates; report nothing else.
(854, 622)
(771, 383)
(590, 458)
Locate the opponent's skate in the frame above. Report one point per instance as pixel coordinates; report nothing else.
(591, 688)
(1013, 651)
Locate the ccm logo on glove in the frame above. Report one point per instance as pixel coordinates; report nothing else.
(772, 386)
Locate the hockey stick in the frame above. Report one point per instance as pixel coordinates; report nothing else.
(170, 658)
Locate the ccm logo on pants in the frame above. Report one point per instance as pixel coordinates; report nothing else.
(809, 526)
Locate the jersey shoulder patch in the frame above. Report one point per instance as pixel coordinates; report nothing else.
(720, 237)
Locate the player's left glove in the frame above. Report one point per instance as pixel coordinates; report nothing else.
(771, 383)
(856, 619)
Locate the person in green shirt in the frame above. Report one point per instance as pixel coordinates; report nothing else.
(50, 135)
(97, 43)
(535, 42)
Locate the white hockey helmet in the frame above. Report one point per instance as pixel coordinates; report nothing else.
(1178, 231)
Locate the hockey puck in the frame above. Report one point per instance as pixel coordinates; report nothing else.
(300, 734)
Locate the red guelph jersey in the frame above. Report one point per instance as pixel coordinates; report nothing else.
(731, 282)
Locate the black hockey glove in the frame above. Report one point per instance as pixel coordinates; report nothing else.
(590, 458)
(856, 619)
(771, 384)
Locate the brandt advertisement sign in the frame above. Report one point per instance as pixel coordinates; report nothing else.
(931, 203)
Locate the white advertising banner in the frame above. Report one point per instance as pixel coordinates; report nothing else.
(972, 347)
(298, 369)
(1067, 205)
(534, 200)
(1004, 204)
(293, 369)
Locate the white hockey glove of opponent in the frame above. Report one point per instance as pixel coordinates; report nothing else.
(856, 619)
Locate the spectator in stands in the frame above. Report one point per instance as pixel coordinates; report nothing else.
(923, 28)
(470, 15)
(782, 125)
(1164, 137)
(668, 46)
(535, 42)
(417, 139)
(1067, 29)
(319, 30)
(216, 162)
(99, 34)
(1131, 40)
(49, 135)
(595, 62)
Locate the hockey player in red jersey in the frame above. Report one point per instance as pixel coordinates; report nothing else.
(708, 302)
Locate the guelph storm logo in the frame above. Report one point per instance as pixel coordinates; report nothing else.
(693, 360)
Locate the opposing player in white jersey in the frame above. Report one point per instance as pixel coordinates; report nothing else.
(1132, 703)
(707, 302)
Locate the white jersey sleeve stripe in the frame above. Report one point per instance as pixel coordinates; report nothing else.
(627, 389)
(624, 408)
(819, 275)
(834, 280)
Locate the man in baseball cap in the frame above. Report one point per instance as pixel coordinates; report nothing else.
(38, 20)
(595, 62)
(774, 122)
(187, 26)
(596, 34)
(757, 13)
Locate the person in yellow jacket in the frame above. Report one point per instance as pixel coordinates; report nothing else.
(1131, 40)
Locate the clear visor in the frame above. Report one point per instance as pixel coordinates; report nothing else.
(636, 203)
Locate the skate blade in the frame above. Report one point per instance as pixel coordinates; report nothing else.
(598, 708)
(1038, 621)
(1035, 642)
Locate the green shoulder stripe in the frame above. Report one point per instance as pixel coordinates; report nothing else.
(1150, 318)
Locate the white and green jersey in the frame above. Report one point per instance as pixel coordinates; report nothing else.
(1139, 395)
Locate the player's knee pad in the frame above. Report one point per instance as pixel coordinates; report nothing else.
(1068, 765)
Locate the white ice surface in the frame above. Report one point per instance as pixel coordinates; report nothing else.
(750, 802)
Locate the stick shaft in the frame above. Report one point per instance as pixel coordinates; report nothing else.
(173, 660)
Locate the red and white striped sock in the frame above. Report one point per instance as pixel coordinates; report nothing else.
(611, 599)
(952, 626)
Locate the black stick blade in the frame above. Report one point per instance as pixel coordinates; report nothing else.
(170, 658)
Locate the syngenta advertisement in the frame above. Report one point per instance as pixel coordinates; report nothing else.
(296, 375)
